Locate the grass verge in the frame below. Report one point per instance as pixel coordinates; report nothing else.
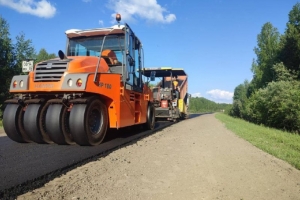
(281, 144)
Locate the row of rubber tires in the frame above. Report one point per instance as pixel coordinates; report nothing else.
(85, 124)
(48, 123)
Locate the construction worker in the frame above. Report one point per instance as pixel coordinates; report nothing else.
(175, 86)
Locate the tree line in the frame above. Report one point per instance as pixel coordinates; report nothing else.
(272, 97)
(200, 105)
(11, 56)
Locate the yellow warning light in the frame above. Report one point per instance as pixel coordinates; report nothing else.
(79, 83)
(118, 17)
(15, 83)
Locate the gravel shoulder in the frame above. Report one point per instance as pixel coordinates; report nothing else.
(2, 133)
(194, 159)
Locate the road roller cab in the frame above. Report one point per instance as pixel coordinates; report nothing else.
(75, 98)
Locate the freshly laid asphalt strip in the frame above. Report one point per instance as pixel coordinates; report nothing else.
(22, 163)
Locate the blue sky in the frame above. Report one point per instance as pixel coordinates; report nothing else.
(213, 40)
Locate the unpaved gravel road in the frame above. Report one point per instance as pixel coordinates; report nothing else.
(194, 159)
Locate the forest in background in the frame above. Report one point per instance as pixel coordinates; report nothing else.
(203, 105)
(272, 97)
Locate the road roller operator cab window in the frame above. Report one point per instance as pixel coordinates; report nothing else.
(91, 46)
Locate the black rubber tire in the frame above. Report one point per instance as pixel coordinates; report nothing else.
(57, 124)
(89, 122)
(65, 126)
(42, 124)
(182, 116)
(32, 123)
(13, 123)
(150, 123)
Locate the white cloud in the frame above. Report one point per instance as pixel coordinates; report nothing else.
(101, 22)
(149, 10)
(197, 94)
(220, 95)
(41, 8)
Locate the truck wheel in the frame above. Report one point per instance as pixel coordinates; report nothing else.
(150, 117)
(13, 123)
(88, 122)
(57, 124)
(32, 122)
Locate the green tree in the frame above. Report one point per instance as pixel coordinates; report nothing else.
(43, 55)
(273, 95)
(200, 104)
(277, 105)
(290, 41)
(267, 51)
(23, 50)
(283, 74)
(6, 61)
(240, 100)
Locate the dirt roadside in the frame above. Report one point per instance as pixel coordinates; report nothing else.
(2, 133)
(194, 159)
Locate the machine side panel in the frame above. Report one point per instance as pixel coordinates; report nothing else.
(108, 86)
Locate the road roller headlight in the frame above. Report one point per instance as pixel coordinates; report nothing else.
(79, 83)
(15, 83)
(70, 82)
(21, 84)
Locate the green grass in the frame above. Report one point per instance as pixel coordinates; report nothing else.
(283, 145)
(1, 123)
